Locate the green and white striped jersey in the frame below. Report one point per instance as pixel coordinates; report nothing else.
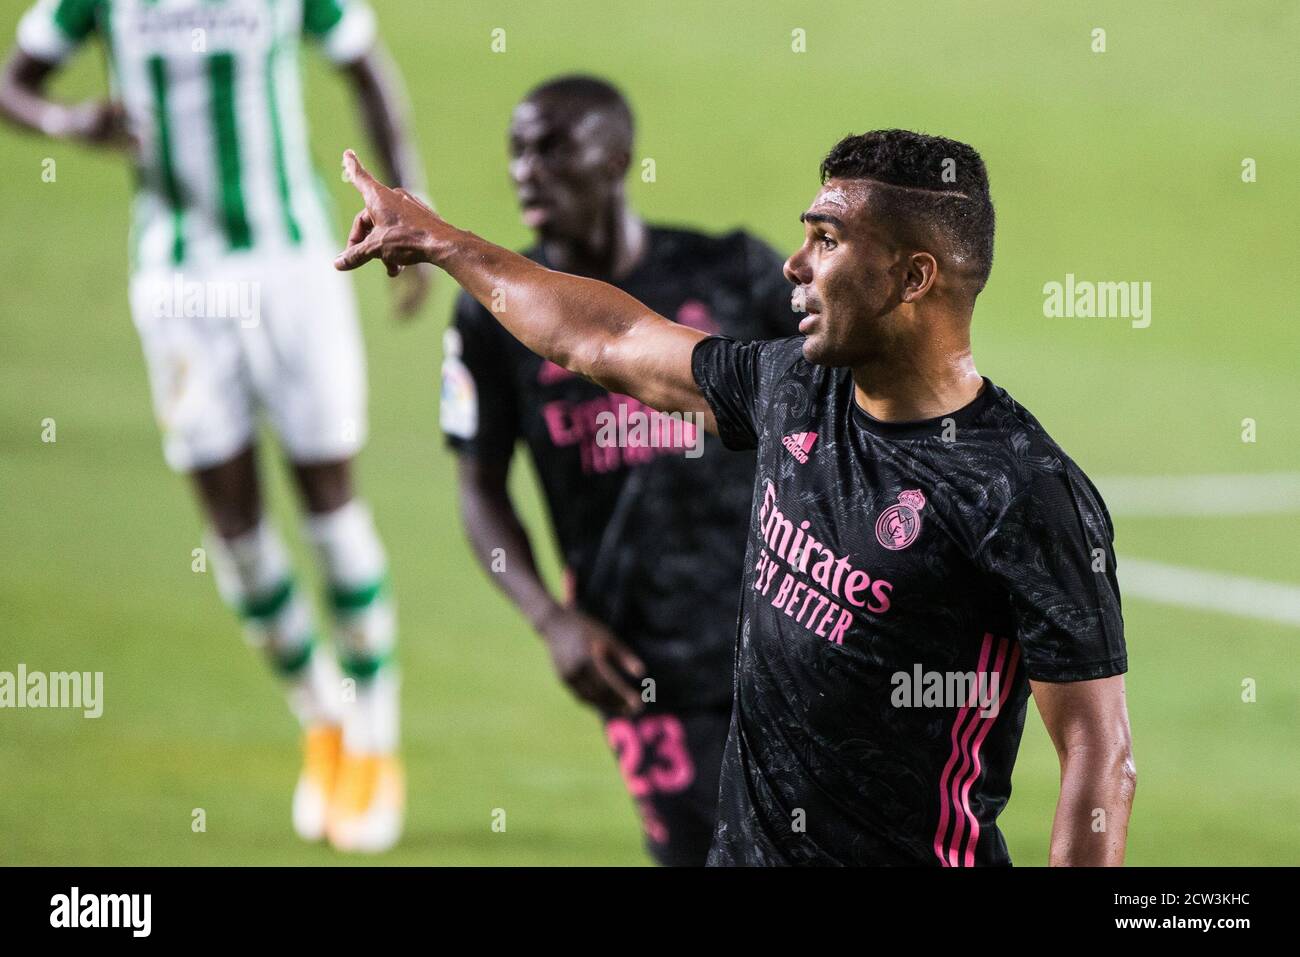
(212, 91)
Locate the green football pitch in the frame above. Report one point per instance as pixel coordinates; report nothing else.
(1124, 165)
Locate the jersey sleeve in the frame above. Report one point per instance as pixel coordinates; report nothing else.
(736, 379)
(52, 29)
(1053, 553)
(479, 412)
(769, 296)
(345, 28)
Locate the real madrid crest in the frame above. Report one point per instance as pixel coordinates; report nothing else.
(898, 525)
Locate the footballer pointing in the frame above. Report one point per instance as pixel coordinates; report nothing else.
(909, 517)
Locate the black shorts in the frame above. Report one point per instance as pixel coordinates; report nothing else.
(670, 761)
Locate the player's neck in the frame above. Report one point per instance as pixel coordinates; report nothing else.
(612, 249)
(915, 385)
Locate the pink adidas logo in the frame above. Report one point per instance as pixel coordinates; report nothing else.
(799, 444)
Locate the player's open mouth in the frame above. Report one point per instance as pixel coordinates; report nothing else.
(807, 322)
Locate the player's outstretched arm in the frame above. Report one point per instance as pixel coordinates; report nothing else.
(584, 325)
(1088, 724)
(23, 101)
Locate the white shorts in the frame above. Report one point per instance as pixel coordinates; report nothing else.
(271, 332)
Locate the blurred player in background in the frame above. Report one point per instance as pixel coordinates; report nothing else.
(239, 311)
(652, 536)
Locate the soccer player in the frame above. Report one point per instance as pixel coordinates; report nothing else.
(652, 533)
(931, 533)
(238, 312)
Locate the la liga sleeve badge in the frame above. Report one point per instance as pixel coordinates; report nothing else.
(458, 410)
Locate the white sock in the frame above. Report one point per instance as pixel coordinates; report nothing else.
(254, 577)
(356, 569)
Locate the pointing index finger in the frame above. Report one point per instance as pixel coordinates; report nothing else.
(360, 177)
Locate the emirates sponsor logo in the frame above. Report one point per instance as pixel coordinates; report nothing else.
(799, 444)
(807, 579)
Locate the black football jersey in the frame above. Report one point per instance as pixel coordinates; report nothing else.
(653, 539)
(903, 582)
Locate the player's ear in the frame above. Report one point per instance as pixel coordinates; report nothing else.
(922, 272)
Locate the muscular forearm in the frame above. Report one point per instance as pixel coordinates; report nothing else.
(587, 326)
(571, 320)
(502, 548)
(1091, 824)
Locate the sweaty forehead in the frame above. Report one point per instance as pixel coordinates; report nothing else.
(531, 118)
(536, 117)
(840, 198)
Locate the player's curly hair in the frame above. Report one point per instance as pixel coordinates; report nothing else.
(942, 185)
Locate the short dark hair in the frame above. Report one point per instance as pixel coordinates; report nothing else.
(944, 186)
(586, 92)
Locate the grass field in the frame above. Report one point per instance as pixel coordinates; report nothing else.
(1123, 165)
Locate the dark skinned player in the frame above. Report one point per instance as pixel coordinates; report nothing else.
(930, 526)
(652, 537)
